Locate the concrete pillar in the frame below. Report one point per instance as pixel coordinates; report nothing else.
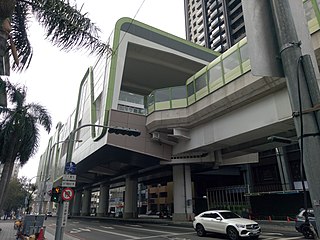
(182, 193)
(103, 200)
(130, 198)
(76, 203)
(85, 206)
(247, 177)
(283, 165)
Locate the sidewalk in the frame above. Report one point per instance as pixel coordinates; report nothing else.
(9, 233)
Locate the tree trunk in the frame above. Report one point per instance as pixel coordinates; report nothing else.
(5, 179)
(8, 166)
(3, 93)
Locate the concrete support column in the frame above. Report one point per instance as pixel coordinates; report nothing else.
(130, 198)
(182, 193)
(103, 200)
(76, 203)
(247, 177)
(85, 206)
(283, 165)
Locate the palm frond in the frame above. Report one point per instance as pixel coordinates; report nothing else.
(19, 22)
(41, 114)
(30, 138)
(67, 27)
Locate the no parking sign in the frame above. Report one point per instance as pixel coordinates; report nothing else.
(67, 194)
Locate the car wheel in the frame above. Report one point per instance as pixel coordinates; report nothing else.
(232, 233)
(200, 230)
(307, 232)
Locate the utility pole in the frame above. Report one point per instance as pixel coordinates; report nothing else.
(300, 99)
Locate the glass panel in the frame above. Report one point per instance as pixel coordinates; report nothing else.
(244, 51)
(162, 95)
(151, 99)
(179, 92)
(215, 73)
(201, 82)
(131, 97)
(190, 89)
(231, 62)
(308, 8)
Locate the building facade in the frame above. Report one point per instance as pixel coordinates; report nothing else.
(204, 121)
(215, 24)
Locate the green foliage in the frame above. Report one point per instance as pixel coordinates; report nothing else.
(65, 26)
(16, 195)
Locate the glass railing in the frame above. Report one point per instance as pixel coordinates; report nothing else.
(227, 67)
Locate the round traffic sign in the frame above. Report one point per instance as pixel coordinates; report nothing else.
(70, 167)
(67, 194)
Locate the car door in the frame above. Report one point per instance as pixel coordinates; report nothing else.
(217, 223)
(206, 220)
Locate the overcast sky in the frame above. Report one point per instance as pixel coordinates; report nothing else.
(54, 76)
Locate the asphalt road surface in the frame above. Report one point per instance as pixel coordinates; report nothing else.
(94, 230)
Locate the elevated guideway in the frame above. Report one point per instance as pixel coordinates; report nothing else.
(228, 125)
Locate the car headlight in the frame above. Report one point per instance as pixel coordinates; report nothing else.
(241, 226)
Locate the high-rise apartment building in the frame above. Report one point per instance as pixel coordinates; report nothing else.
(215, 24)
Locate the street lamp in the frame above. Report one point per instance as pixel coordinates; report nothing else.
(111, 129)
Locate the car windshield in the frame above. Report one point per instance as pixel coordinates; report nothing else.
(228, 215)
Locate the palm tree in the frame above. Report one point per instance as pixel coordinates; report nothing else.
(66, 27)
(19, 132)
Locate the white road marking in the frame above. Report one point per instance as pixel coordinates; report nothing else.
(272, 234)
(85, 229)
(118, 234)
(167, 235)
(147, 230)
(107, 227)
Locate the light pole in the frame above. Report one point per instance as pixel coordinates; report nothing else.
(111, 129)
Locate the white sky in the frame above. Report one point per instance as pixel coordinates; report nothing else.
(54, 76)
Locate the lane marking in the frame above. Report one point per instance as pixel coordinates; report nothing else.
(166, 235)
(272, 234)
(113, 233)
(147, 230)
(107, 227)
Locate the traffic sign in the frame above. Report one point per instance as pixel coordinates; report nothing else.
(67, 194)
(68, 184)
(69, 177)
(70, 167)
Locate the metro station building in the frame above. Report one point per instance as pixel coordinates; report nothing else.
(204, 121)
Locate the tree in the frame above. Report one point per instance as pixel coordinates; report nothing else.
(19, 132)
(15, 199)
(66, 27)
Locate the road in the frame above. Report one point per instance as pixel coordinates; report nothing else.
(93, 230)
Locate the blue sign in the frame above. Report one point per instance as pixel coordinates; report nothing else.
(70, 167)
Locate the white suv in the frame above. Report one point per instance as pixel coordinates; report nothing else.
(225, 222)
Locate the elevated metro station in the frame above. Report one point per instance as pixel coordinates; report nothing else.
(204, 121)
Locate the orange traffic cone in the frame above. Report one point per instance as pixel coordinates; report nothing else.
(269, 218)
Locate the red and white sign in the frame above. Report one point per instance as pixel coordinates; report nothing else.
(67, 194)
